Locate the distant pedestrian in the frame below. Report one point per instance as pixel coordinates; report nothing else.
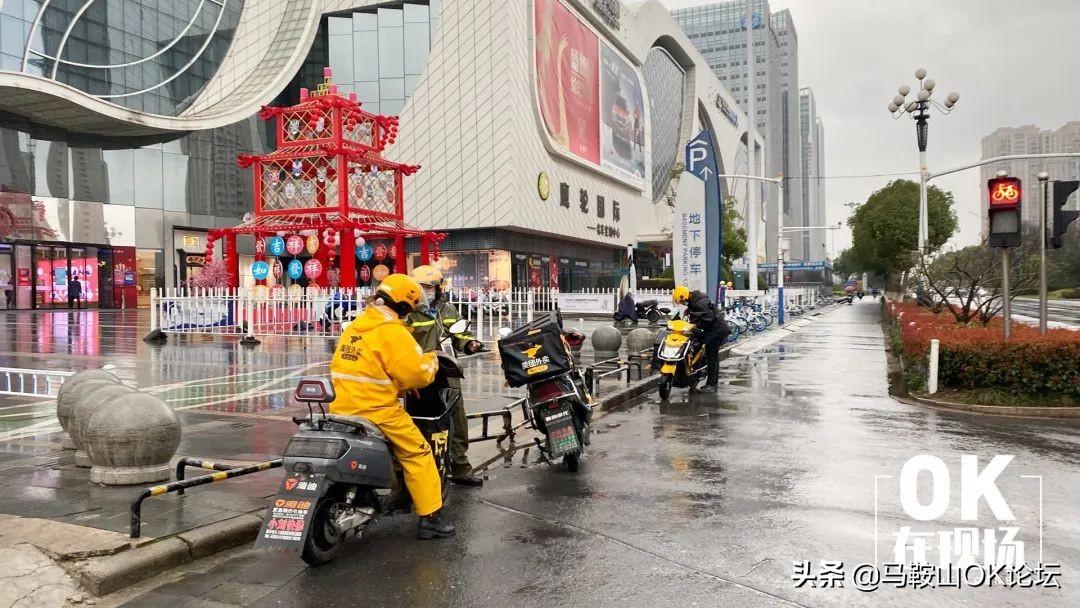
(75, 292)
(333, 277)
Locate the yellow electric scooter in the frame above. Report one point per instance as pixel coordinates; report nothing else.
(682, 358)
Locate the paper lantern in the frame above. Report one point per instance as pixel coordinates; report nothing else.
(294, 244)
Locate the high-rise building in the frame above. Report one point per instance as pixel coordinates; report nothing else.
(809, 170)
(1029, 139)
(789, 105)
(820, 218)
(719, 33)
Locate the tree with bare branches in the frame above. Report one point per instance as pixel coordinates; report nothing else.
(968, 282)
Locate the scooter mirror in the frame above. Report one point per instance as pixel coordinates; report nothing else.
(504, 331)
(459, 327)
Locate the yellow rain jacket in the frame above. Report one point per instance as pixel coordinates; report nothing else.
(376, 361)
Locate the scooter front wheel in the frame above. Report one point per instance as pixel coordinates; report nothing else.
(665, 387)
(324, 540)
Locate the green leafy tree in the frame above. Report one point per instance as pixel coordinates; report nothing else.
(885, 229)
(734, 236)
(845, 264)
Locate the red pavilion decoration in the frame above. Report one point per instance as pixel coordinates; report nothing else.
(328, 184)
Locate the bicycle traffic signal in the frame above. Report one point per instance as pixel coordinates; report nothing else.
(1061, 218)
(1005, 196)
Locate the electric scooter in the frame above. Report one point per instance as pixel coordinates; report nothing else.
(341, 472)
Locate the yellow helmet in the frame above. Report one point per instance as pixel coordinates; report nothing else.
(401, 293)
(428, 275)
(681, 294)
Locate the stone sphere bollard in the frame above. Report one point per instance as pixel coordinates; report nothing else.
(91, 401)
(69, 394)
(131, 439)
(638, 340)
(606, 342)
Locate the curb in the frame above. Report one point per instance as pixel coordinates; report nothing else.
(1008, 411)
(104, 575)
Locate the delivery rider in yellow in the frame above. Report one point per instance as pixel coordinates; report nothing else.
(376, 361)
(429, 325)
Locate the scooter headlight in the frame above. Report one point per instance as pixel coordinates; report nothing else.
(307, 447)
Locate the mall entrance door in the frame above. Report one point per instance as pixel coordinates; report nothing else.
(43, 275)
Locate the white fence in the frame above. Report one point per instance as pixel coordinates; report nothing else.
(317, 312)
(31, 382)
(310, 312)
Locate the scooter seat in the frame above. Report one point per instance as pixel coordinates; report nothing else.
(370, 427)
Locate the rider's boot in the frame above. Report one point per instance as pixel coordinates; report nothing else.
(434, 526)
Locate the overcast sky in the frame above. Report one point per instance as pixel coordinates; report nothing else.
(1014, 62)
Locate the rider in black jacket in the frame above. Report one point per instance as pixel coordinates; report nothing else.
(710, 322)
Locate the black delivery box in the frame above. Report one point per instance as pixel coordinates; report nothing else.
(534, 351)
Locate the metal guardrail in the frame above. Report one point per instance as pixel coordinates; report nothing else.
(617, 366)
(31, 382)
(505, 414)
(182, 484)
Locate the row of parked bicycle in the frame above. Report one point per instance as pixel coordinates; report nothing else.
(742, 317)
(745, 318)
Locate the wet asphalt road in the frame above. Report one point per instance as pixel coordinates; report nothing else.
(703, 501)
(1065, 311)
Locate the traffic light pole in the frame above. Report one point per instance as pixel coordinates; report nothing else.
(1043, 176)
(1006, 270)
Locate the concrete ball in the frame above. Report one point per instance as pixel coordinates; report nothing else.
(606, 342)
(94, 398)
(69, 395)
(638, 340)
(131, 440)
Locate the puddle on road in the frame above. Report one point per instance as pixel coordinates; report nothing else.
(542, 536)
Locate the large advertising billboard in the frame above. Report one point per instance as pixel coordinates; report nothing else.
(590, 96)
(567, 75)
(622, 111)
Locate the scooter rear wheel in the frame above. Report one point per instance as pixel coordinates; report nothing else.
(572, 462)
(324, 540)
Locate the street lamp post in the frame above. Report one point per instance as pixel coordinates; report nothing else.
(919, 108)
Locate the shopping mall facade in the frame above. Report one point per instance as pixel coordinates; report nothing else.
(546, 131)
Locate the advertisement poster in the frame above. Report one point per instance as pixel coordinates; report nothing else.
(567, 74)
(290, 512)
(622, 112)
(586, 302)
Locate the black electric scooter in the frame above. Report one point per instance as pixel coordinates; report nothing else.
(341, 472)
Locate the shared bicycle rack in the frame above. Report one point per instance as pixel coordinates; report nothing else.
(221, 473)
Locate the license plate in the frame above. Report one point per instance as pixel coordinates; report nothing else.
(561, 435)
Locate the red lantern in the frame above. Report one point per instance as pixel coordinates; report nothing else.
(392, 252)
(313, 268)
(295, 244)
(380, 252)
(365, 274)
